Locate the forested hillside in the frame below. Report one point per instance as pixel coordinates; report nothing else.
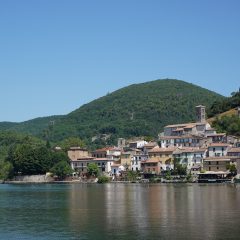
(136, 110)
(225, 114)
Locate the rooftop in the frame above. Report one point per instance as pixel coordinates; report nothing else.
(218, 145)
(234, 150)
(158, 149)
(107, 149)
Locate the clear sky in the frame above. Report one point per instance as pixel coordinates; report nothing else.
(56, 55)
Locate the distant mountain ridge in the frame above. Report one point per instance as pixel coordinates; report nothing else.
(137, 110)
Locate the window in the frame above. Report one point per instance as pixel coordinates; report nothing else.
(153, 169)
(217, 162)
(214, 149)
(209, 168)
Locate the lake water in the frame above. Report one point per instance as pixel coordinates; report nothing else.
(120, 211)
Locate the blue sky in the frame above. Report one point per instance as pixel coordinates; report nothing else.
(57, 55)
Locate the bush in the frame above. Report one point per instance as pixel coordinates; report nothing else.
(103, 179)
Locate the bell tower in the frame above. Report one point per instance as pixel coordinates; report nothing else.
(201, 114)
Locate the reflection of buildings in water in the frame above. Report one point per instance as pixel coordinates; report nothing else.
(126, 208)
(150, 211)
(86, 209)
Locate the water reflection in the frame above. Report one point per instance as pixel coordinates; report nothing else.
(120, 211)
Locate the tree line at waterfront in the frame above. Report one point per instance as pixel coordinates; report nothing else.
(28, 155)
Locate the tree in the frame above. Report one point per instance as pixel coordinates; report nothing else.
(103, 179)
(132, 175)
(6, 170)
(179, 168)
(232, 169)
(92, 169)
(59, 156)
(61, 169)
(71, 142)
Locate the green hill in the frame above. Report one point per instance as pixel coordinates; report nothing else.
(137, 110)
(225, 115)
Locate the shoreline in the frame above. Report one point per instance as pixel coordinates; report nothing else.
(112, 182)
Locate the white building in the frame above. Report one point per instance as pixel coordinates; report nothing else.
(136, 161)
(217, 149)
(190, 157)
(137, 144)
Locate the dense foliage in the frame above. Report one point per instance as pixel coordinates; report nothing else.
(62, 169)
(103, 179)
(137, 110)
(224, 105)
(26, 155)
(228, 123)
(92, 169)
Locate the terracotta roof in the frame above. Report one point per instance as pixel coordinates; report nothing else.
(102, 159)
(151, 161)
(158, 149)
(115, 165)
(150, 144)
(216, 135)
(178, 129)
(234, 150)
(177, 125)
(189, 150)
(194, 150)
(210, 129)
(224, 158)
(190, 126)
(218, 145)
(180, 137)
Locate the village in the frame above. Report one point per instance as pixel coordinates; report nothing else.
(196, 147)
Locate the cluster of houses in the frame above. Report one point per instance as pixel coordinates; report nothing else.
(196, 146)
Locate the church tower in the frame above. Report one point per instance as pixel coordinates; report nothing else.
(201, 114)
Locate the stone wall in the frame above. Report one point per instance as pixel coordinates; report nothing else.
(34, 178)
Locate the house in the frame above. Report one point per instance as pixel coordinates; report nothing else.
(190, 157)
(181, 141)
(164, 155)
(116, 169)
(217, 149)
(217, 164)
(80, 165)
(149, 146)
(77, 152)
(137, 144)
(151, 166)
(112, 153)
(186, 129)
(126, 158)
(234, 152)
(217, 138)
(136, 161)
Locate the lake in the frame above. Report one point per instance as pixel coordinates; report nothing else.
(119, 211)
